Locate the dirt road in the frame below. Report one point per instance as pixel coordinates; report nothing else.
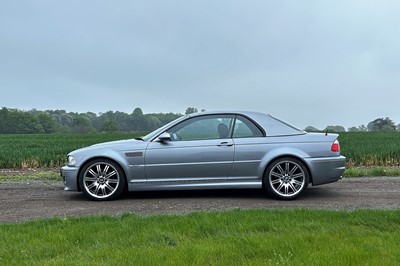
(28, 200)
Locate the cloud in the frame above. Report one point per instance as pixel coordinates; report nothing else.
(313, 63)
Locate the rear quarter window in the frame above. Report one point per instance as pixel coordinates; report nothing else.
(244, 128)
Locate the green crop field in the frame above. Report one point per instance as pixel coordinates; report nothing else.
(371, 148)
(23, 151)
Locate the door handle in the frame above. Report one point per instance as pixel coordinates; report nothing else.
(225, 144)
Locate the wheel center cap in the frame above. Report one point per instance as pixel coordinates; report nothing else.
(102, 180)
(286, 178)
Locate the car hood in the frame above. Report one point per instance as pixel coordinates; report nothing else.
(117, 145)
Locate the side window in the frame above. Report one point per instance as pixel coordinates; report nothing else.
(244, 128)
(202, 128)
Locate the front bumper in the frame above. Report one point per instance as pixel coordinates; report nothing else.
(70, 177)
(326, 169)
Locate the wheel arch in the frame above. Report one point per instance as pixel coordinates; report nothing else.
(92, 159)
(273, 159)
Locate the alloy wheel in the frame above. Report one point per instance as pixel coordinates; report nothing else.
(101, 180)
(287, 178)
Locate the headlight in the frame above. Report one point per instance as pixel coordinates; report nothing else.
(71, 161)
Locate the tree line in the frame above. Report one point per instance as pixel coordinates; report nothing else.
(378, 125)
(14, 121)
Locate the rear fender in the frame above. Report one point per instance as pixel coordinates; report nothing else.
(282, 152)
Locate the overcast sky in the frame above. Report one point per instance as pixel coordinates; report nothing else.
(313, 63)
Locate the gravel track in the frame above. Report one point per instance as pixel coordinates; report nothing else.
(28, 200)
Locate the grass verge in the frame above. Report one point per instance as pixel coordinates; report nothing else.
(251, 237)
(53, 174)
(371, 171)
(46, 174)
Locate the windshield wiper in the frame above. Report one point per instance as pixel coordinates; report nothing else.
(140, 138)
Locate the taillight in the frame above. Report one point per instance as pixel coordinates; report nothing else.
(335, 146)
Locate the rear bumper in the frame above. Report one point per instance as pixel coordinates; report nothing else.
(326, 170)
(70, 177)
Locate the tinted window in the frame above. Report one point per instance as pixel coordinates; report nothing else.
(202, 128)
(244, 128)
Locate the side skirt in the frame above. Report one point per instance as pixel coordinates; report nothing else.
(147, 186)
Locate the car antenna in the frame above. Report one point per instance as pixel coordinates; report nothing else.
(326, 132)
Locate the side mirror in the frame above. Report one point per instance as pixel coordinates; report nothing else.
(164, 137)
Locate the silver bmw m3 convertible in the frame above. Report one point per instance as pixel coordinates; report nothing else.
(211, 150)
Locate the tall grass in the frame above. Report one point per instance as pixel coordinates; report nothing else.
(252, 237)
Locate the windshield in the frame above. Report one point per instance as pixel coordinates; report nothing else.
(160, 130)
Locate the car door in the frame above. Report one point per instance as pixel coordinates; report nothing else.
(200, 149)
(250, 148)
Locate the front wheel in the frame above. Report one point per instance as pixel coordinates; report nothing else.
(102, 179)
(286, 178)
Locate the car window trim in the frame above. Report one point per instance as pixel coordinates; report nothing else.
(231, 116)
(254, 123)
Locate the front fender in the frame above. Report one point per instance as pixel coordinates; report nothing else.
(111, 155)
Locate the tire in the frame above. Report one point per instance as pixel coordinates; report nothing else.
(102, 179)
(286, 178)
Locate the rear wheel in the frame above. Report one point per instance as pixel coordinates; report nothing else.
(102, 179)
(286, 178)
